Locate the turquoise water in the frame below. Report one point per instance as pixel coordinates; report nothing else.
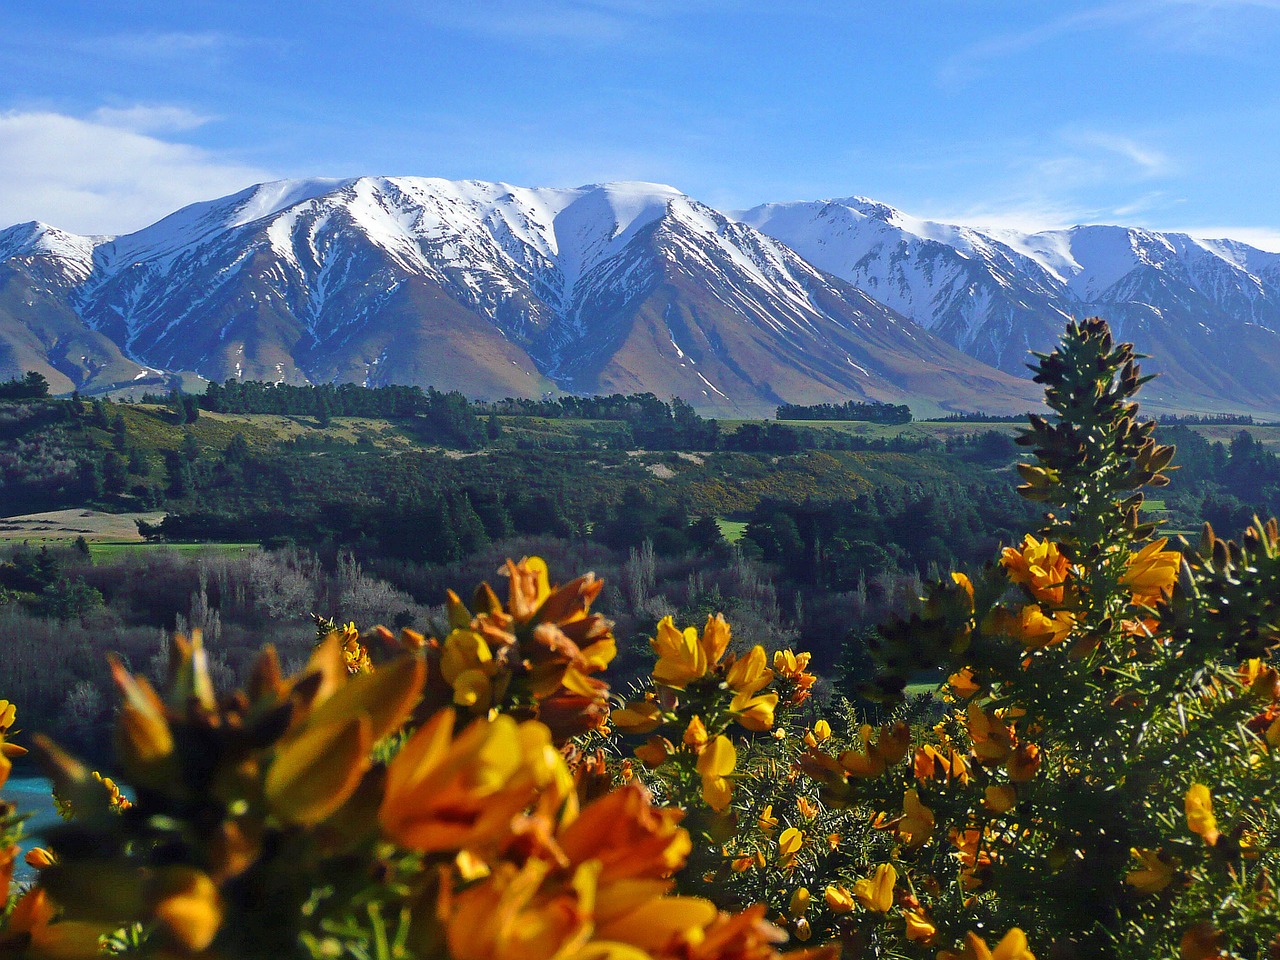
(31, 795)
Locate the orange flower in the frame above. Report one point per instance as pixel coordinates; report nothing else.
(513, 914)
(1000, 797)
(1024, 763)
(628, 836)
(445, 794)
(1038, 566)
(38, 858)
(655, 751)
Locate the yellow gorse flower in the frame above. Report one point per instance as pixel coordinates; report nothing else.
(1013, 946)
(1038, 566)
(790, 842)
(1153, 875)
(750, 674)
(838, 899)
(683, 655)
(1199, 809)
(1152, 572)
(876, 892)
(715, 763)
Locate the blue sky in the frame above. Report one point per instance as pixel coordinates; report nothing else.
(1158, 113)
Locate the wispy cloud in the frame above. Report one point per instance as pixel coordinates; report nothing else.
(170, 45)
(107, 173)
(150, 118)
(1210, 27)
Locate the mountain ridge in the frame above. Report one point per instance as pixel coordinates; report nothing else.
(499, 289)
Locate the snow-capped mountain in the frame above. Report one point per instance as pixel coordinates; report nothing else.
(492, 289)
(1208, 311)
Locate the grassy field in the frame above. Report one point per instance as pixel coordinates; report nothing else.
(64, 526)
(732, 530)
(107, 549)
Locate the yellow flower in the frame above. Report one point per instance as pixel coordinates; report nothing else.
(838, 899)
(992, 740)
(919, 927)
(467, 664)
(683, 656)
(889, 748)
(808, 809)
(695, 735)
(1040, 567)
(799, 903)
(750, 674)
(1030, 625)
(916, 826)
(1153, 875)
(1200, 818)
(1012, 947)
(961, 685)
(714, 766)
(790, 842)
(1152, 572)
(638, 716)
(754, 712)
(822, 731)
(1000, 797)
(876, 892)
(767, 821)
(655, 752)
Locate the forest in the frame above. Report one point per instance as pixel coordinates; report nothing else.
(1060, 739)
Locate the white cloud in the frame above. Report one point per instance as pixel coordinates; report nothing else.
(109, 173)
(150, 118)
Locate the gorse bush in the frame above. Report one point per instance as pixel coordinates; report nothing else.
(1096, 777)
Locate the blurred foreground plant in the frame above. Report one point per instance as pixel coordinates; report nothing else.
(374, 810)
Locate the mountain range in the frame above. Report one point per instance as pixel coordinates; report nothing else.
(498, 290)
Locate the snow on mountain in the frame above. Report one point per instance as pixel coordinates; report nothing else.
(1199, 306)
(496, 289)
(72, 254)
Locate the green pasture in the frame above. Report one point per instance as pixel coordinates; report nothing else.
(109, 549)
